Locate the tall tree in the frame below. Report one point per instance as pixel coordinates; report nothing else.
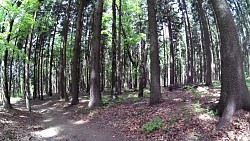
(119, 73)
(234, 92)
(114, 79)
(155, 89)
(206, 43)
(95, 93)
(62, 87)
(51, 59)
(76, 58)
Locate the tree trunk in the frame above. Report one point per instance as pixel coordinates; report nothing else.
(208, 80)
(51, 59)
(6, 97)
(62, 88)
(234, 92)
(172, 60)
(113, 81)
(77, 50)
(119, 73)
(95, 93)
(142, 69)
(155, 89)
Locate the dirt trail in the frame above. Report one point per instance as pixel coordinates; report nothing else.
(56, 125)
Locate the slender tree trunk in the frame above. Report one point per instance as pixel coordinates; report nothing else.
(119, 74)
(95, 93)
(142, 69)
(77, 50)
(52, 59)
(172, 60)
(208, 80)
(155, 89)
(114, 72)
(62, 88)
(6, 98)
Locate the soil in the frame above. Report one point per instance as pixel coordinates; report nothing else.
(50, 120)
(185, 115)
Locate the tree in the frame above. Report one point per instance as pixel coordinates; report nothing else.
(95, 93)
(77, 50)
(206, 42)
(62, 87)
(155, 89)
(234, 92)
(113, 81)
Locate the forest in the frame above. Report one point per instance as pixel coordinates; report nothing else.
(124, 70)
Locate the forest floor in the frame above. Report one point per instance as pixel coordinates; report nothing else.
(184, 114)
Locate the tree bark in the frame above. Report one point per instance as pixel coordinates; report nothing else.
(76, 58)
(52, 59)
(155, 89)
(206, 35)
(113, 78)
(119, 73)
(234, 92)
(62, 88)
(95, 93)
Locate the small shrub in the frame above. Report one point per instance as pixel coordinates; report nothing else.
(216, 83)
(187, 87)
(195, 93)
(107, 102)
(152, 125)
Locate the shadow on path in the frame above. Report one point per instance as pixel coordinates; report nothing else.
(56, 124)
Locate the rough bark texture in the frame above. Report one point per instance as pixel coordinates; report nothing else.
(6, 97)
(51, 59)
(234, 92)
(155, 89)
(142, 69)
(172, 69)
(77, 51)
(119, 73)
(114, 92)
(95, 93)
(62, 88)
(206, 42)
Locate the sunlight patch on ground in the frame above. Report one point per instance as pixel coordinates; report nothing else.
(205, 117)
(15, 99)
(177, 99)
(202, 89)
(48, 120)
(66, 113)
(80, 122)
(22, 116)
(48, 133)
(46, 103)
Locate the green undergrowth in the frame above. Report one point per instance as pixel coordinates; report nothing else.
(196, 107)
(248, 82)
(152, 125)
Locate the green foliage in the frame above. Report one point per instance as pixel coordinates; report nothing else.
(216, 83)
(248, 82)
(196, 93)
(187, 87)
(107, 102)
(152, 125)
(197, 108)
